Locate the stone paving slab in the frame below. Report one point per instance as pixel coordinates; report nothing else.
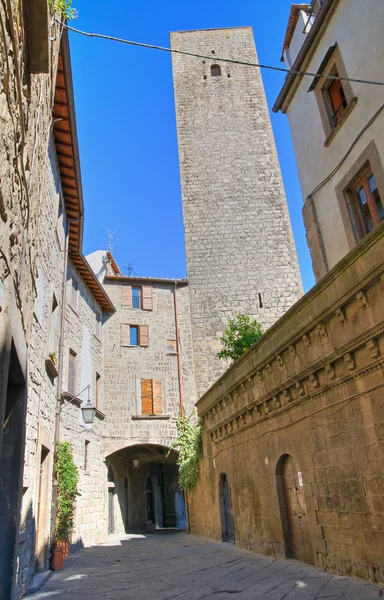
(186, 567)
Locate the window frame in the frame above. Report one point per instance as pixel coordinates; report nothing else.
(140, 296)
(75, 354)
(368, 160)
(153, 375)
(363, 183)
(332, 64)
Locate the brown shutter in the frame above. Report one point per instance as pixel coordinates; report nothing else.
(171, 347)
(157, 399)
(126, 296)
(147, 297)
(124, 335)
(72, 372)
(143, 335)
(146, 397)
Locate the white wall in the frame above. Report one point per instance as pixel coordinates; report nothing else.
(357, 27)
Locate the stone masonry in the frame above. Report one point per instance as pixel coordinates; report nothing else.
(241, 256)
(295, 428)
(125, 366)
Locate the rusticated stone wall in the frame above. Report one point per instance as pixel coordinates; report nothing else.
(310, 389)
(240, 252)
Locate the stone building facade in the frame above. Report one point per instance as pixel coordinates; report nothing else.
(27, 61)
(148, 382)
(293, 431)
(336, 126)
(240, 252)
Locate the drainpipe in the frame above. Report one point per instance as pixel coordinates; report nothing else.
(179, 370)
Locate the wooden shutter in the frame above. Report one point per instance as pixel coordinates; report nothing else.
(124, 335)
(126, 296)
(147, 297)
(143, 335)
(171, 347)
(72, 372)
(157, 399)
(146, 397)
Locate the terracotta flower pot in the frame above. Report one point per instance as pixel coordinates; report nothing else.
(64, 545)
(57, 559)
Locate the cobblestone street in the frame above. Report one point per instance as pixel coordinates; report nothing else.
(170, 566)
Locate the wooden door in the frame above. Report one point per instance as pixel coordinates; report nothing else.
(300, 545)
(228, 530)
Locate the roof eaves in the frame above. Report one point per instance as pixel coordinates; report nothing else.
(290, 78)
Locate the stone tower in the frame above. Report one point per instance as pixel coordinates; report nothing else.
(241, 256)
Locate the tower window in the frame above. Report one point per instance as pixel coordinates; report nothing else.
(215, 70)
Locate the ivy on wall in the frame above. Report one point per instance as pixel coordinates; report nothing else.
(190, 447)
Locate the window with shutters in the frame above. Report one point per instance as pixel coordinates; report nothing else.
(171, 347)
(136, 297)
(72, 372)
(366, 203)
(151, 397)
(334, 97)
(134, 335)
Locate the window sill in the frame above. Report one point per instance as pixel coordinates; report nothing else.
(70, 397)
(75, 310)
(150, 417)
(171, 353)
(100, 415)
(343, 117)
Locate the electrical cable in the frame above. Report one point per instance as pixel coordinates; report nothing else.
(216, 58)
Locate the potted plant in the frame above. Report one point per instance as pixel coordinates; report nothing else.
(51, 365)
(67, 478)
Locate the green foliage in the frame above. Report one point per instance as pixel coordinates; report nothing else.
(240, 335)
(67, 477)
(190, 447)
(65, 7)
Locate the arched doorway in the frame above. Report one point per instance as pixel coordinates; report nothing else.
(293, 510)
(227, 528)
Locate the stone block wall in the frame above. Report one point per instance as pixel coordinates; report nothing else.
(81, 336)
(42, 388)
(125, 366)
(240, 252)
(296, 425)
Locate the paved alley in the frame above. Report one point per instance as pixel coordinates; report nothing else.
(185, 567)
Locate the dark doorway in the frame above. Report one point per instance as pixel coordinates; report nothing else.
(126, 511)
(227, 527)
(111, 502)
(150, 502)
(293, 510)
(11, 471)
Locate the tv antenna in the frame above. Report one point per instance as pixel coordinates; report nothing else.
(129, 268)
(113, 238)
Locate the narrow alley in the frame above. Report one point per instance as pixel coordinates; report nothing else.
(169, 566)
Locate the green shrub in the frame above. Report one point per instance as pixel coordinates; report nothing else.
(67, 477)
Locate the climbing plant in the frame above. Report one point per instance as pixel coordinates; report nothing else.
(65, 7)
(240, 335)
(190, 447)
(67, 477)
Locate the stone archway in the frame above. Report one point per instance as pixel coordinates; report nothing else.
(146, 481)
(226, 517)
(293, 510)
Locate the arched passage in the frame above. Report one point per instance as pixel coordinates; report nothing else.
(225, 501)
(146, 483)
(293, 510)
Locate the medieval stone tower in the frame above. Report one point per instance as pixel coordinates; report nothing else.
(241, 256)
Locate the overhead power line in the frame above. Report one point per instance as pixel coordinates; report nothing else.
(216, 58)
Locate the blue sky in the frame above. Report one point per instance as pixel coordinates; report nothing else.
(127, 129)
